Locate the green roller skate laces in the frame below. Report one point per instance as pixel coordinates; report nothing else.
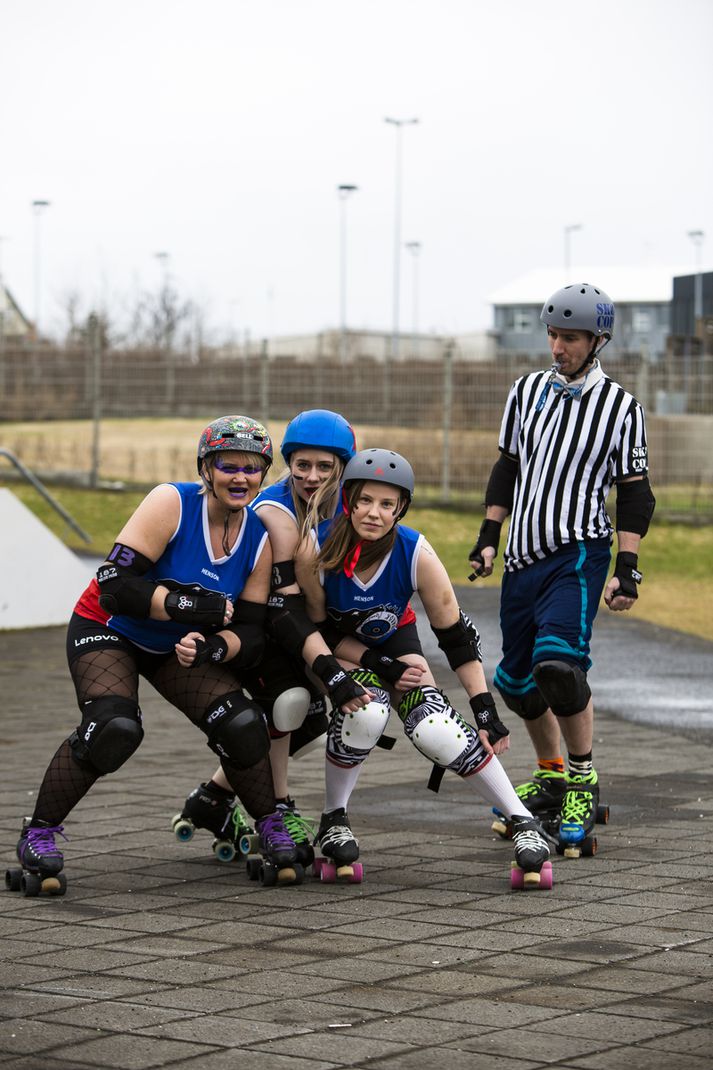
(239, 824)
(299, 828)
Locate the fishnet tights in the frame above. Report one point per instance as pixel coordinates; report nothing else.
(115, 672)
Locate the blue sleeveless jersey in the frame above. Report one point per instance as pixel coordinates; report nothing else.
(280, 495)
(188, 562)
(371, 611)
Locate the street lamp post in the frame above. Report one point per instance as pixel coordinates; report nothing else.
(414, 247)
(697, 237)
(398, 124)
(344, 192)
(568, 230)
(38, 208)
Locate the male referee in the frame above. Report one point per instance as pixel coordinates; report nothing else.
(568, 435)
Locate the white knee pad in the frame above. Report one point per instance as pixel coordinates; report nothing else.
(441, 737)
(363, 730)
(290, 709)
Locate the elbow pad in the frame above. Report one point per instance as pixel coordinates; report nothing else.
(121, 589)
(288, 621)
(248, 624)
(460, 643)
(635, 504)
(501, 485)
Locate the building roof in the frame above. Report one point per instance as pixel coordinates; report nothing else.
(625, 285)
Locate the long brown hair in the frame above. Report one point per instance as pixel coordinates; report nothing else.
(343, 539)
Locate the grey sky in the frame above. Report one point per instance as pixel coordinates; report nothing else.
(218, 132)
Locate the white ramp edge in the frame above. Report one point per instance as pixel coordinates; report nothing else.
(40, 579)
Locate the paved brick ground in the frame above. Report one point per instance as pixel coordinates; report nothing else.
(159, 956)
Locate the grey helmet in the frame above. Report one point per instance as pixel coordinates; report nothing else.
(382, 466)
(581, 307)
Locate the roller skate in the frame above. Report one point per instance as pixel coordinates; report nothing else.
(41, 860)
(210, 808)
(277, 861)
(340, 850)
(542, 796)
(580, 812)
(300, 829)
(531, 867)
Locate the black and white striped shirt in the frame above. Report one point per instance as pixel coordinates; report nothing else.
(570, 451)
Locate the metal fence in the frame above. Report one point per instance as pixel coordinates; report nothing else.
(67, 411)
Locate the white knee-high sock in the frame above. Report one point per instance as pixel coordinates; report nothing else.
(340, 782)
(493, 784)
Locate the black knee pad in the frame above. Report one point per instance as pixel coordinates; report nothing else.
(563, 686)
(109, 733)
(529, 706)
(237, 730)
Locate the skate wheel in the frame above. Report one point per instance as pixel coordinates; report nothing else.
(224, 850)
(268, 875)
(589, 846)
(253, 864)
(13, 880)
(327, 872)
(546, 879)
(54, 885)
(317, 868)
(516, 877)
(249, 843)
(30, 884)
(602, 815)
(183, 830)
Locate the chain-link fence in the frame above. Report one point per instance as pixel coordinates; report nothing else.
(134, 416)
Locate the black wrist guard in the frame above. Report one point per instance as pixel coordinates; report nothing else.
(196, 607)
(489, 535)
(486, 717)
(627, 573)
(339, 684)
(390, 670)
(213, 649)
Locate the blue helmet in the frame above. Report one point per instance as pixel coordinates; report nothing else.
(319, 429)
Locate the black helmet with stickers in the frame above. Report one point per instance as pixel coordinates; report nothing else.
(234, 433)
(581, 307)
(382, 466)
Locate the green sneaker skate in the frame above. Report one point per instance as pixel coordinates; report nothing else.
(581, 811)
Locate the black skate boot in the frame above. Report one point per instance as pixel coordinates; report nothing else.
(580, 813)
(532, 867)
(277, 862)
(542, 796)
(340, 849)
(41, 860)
(211, 808)
(300, 829)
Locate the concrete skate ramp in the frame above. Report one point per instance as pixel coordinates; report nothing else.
(40, 578)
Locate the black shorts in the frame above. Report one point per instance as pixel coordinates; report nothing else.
(85, 635)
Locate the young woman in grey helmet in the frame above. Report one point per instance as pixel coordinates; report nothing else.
(358, 573)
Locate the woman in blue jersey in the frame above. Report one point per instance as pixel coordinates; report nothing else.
(316, 446)
(358, 573)
(181, 601)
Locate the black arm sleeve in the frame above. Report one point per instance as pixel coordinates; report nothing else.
(635, 504)
(501, 485)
